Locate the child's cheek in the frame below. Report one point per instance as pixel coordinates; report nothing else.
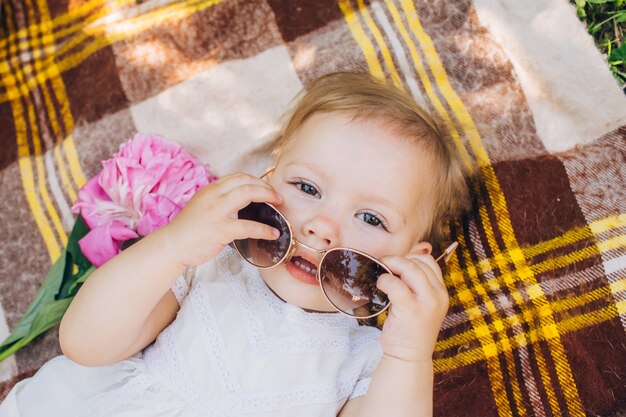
(372, 242)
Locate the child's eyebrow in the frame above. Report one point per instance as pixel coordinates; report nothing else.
(309, 166)
(384, 202)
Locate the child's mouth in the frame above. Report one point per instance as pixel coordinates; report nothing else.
(304, 265)
(303, 270)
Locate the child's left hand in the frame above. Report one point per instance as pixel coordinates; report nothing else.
(419, 302)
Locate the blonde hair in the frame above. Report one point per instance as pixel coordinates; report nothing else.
(364, 97)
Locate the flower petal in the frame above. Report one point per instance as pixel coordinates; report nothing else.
(98, 246)
(104, 242)
(88, 196)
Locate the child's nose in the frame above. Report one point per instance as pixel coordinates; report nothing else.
(321, 232)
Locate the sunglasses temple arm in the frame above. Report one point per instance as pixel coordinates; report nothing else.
(447, 254)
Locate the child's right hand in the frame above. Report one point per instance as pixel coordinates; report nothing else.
(209, 222)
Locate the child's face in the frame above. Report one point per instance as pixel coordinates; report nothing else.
(348, 183)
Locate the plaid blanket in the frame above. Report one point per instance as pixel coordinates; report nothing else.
(537, 320)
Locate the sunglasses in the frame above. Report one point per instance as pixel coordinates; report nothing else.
(346, 276)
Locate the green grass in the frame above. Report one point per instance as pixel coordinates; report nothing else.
(606, 22)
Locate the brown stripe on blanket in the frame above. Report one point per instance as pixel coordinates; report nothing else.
(93, 87)
(542, 207)
(514, 380)
(300, 17)
(539, 199)
(61, 7)
(600, 384)
(233, 29)
(560, 390)
(464, 392)
(444, 16)
(8, 146)
(58, 8)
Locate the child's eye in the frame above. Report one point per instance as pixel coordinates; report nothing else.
(306, 188)
(371, 219)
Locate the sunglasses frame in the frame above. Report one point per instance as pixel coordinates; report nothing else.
(291, 250)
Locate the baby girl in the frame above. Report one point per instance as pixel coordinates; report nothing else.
(249, 301)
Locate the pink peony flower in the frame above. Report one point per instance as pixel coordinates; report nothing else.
(140, 189)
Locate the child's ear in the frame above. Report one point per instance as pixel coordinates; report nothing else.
(422, 248)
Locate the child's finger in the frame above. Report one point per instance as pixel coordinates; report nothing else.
(430, 267)
(208, 195)
(416, 278)
(243, 229)
(398, 292)
(435, 279)
(440, 292)
(427, 290)
(243, 195)
(230, 182)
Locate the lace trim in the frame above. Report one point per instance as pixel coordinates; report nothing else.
(212, 337)
(180, 289)
(307, 395)
(360, 389)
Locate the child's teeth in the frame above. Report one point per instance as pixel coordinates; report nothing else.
(305, 268)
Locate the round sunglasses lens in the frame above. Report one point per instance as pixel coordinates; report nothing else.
(349, 281)
(260, 252)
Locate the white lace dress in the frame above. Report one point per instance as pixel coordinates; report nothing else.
(234, 349)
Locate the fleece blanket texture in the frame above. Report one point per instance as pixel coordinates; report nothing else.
(537, 318)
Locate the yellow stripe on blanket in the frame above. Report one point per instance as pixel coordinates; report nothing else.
(9, 76)
(361, 38)
(382, 45)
